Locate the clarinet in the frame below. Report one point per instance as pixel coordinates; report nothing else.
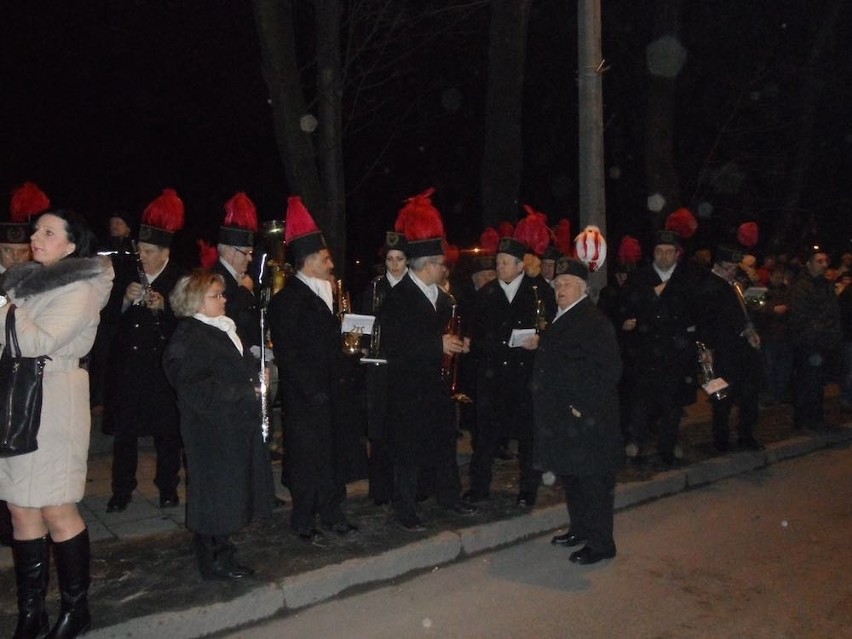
(264, 388)
(146, 286)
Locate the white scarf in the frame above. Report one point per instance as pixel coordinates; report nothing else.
(429, 290)
(665, 276)
(393, 281)
(512, 287)
(224, 324)
(321, 288)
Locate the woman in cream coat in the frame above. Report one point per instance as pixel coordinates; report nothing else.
(58, 297)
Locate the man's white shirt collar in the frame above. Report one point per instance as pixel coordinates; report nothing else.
(512, 287)
(429, 290)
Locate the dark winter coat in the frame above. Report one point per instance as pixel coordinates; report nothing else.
(503, 374)
(419, 409)
(139, 399)
(814, 315)
(575, 396)
(220, 422)
(663, 344)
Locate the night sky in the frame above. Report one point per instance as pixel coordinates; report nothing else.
(107, 103)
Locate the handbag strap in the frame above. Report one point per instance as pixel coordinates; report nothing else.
(11, 334)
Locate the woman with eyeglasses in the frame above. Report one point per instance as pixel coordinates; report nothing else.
(216, 381)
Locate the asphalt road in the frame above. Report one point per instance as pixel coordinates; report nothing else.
(763, 555)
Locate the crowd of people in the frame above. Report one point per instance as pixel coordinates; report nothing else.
(518, 350)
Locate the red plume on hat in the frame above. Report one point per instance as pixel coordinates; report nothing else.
(208, 254)
(682, 222)
(166, 212)
(505, 229)
(299, 220)
(538, 214)
(747, 234)
(27, 200)
(629, 250)
(488, 241)
(419, 218)
(533, 231)
(241, 212)
(562, 237)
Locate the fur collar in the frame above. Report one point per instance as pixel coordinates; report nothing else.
(31, 278)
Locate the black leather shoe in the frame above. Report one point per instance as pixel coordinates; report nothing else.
(750, 443)
(344, 529)
(169, 500)
(219, 571)
(568, 539)
(586, 556)
(526, 500)
(461, 507)
(117, 504)
(313, 537)
(410, 525)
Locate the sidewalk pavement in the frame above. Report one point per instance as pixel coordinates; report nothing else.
(145, 583)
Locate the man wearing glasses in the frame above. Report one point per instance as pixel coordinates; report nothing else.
(236, 239)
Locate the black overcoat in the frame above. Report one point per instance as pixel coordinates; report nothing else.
(503, 374)
(220, 422)
(419, 408)
(664, 338)
(575, 396)
(139, 400)
(241, 307)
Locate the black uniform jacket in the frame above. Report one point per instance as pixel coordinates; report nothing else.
(503, 374)
(241, 307)
(575, 397)
(140, 400)
(721, 322)
(664, 338)
(419, 408)
(220, 422)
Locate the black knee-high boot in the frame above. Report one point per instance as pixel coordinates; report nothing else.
(32, 567)
(72, 566)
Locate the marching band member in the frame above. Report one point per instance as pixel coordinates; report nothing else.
(139, 399)
(306, 338)
(420, 422)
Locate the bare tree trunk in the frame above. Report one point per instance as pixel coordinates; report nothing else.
(274, 23)
(502, 159)
(591, 172)
(813, 80)
(330, 92)
(663, 68)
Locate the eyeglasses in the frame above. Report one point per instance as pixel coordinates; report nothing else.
(248, 253)
(218, 296)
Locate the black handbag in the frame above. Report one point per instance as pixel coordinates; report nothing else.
(20, 394)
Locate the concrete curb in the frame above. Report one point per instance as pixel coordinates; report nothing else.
(320, 585)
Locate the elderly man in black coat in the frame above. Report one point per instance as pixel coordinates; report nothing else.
(575, 402)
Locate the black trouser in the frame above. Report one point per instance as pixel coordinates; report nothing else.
(447, 484)
(744, 391)
(653, 402)
(809, 375)
(314, 485)
(381, 471)
(482, 463)
(590, 500)
(125, 457)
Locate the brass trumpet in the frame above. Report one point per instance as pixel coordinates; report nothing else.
(450, 363)
(351, 339)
